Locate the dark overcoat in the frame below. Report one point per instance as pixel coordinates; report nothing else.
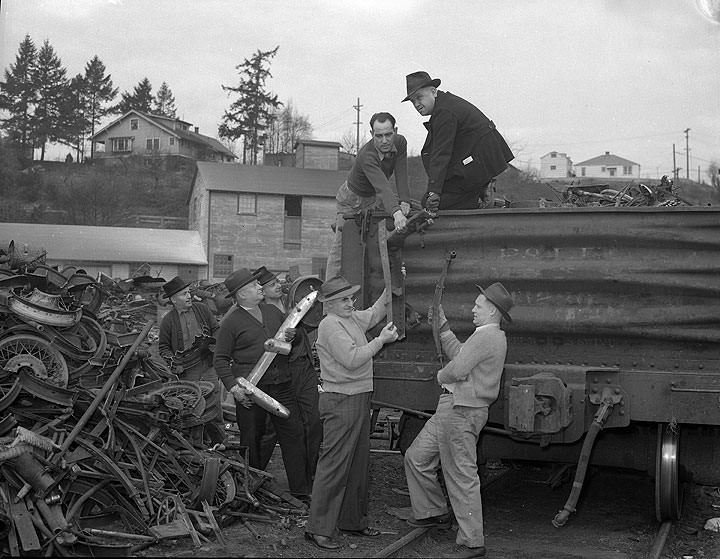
(463, 150)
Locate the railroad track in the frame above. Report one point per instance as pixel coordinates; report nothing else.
(604, 526)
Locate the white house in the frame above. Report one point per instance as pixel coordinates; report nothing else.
(555, 165)
(608, 166)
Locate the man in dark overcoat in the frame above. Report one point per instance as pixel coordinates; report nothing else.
(463, 150)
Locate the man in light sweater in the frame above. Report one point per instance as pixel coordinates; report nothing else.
(471, 382)
(340, 490)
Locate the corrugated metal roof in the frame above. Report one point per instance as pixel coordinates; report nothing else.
(606, 159)
(87, 243)
(236, 177)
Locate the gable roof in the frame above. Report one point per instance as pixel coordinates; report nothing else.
(266, 179)
(560, 154)
(319, 143)
(87, 243)
(165, 123)
(607, 159)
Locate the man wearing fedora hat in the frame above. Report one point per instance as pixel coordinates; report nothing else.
(340, 490)
(240, 345)
(179, 329)
(463, 150)
(304, 379)
(369, 178)
(470, 383)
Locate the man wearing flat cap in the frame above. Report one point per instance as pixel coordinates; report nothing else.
(470, 383)
(240, 345)
(463, 151)
(184, 343)
(340, 489)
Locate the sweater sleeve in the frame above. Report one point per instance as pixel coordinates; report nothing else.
(224, 346)
(382, 186)
(465, 357)
(350, 355)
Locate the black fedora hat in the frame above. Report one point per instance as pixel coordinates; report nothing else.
(236, 280)
(263, 275)
(336, 288)
(174, 286)
(499, 296)
(418, 80)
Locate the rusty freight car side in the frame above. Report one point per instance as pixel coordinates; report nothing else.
(616, 310)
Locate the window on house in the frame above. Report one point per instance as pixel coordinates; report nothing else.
(293, 222)
(627, 170)
(553, 167)
(122, 144)
(246, 204)
(134, 124)
(603, 169)
(171, 141)
(222, 265)
(553, 155)
(582, 171)
(152, 144)
(612, 171)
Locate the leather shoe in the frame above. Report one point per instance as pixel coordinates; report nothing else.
(368, 532)
(465, 552)
(439, 520)
(323, 542)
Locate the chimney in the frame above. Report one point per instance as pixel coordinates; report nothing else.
(606, 153)
(197, 130)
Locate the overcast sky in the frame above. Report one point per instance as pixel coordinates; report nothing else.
(575, 76)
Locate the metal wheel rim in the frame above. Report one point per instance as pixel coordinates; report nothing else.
(667, 483)
(36, 348)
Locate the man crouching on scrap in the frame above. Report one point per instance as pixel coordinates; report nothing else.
(470, 382)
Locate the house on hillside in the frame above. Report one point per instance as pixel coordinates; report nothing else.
(115, 251)
(171, 142)
(555, 165)
(317, 154)
(256, 215)
(607, 166)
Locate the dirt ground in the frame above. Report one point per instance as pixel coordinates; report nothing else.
(615, 519)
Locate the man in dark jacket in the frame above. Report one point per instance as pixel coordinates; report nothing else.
(186, 334)
(463, 150)
(240, 345)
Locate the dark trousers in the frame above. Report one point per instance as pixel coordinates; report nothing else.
(214, 428)
(305, 384)
(251, 422)
(451, 199)
(340, 490)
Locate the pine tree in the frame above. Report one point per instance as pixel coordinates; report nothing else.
(52, 86)
(97, 91)
(18, 96)
(164, 103)
(140, 99)
(248, 117)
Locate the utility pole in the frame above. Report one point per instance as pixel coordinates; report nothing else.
(357, 123)
(687, 154)
(674, 164)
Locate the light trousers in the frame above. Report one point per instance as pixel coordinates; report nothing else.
(449, 439)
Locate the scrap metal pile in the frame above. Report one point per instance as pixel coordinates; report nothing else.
(97, 448)
(631, 195)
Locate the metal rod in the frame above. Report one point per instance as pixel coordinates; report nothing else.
(103, 391)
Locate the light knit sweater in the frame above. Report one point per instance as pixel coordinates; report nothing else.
(345, 354)
(476, 366)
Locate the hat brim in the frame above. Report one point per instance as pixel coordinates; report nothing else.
(239, 287)
(350, 290)
(431, 83)
(505, 314)
(176, 291)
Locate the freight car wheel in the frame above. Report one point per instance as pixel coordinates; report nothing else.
(668, 497)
